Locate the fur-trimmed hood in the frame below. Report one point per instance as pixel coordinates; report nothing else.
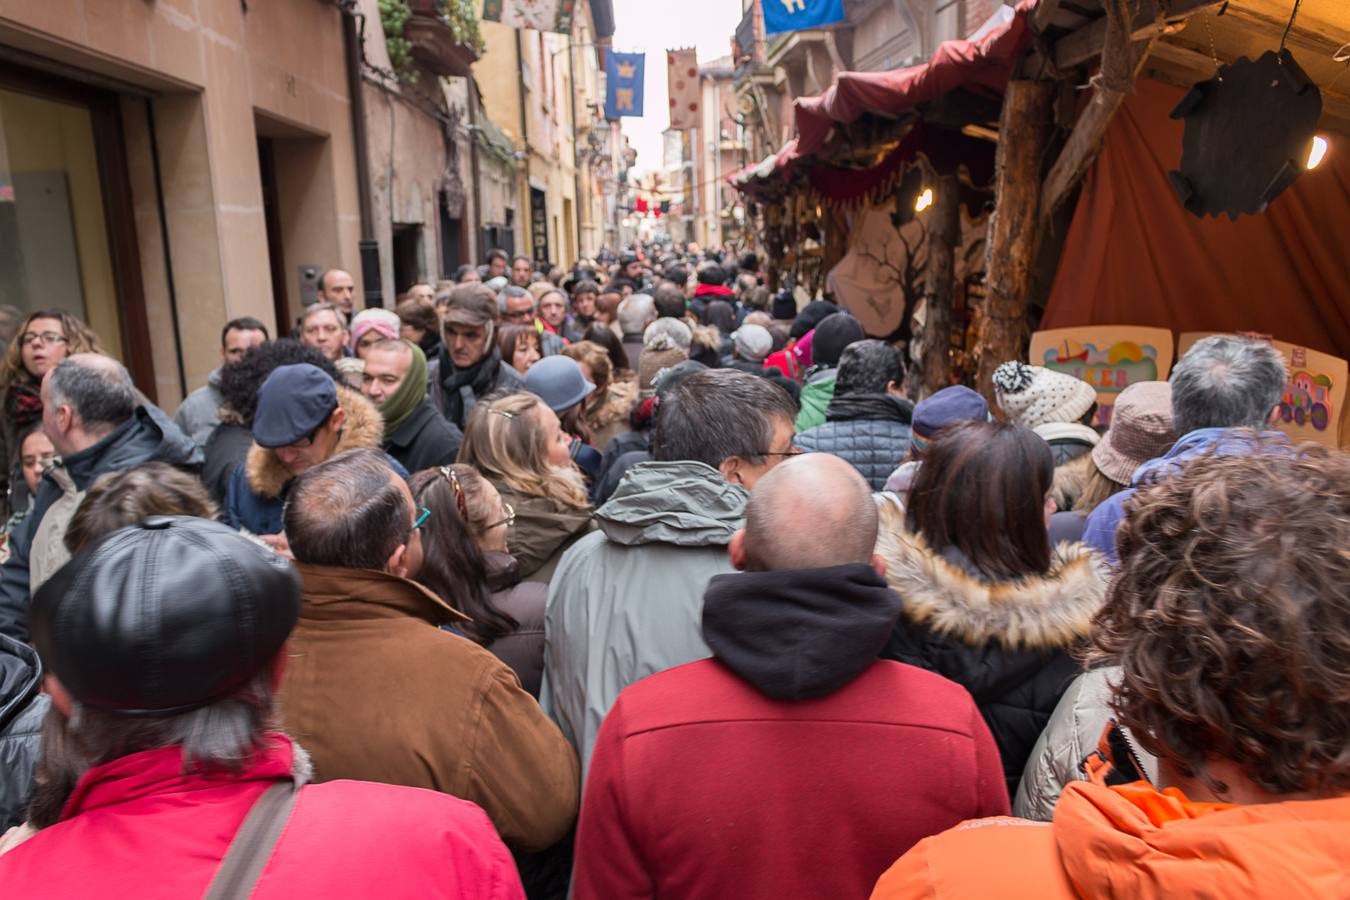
(364, 428)
(1049, 612)
(618, 401)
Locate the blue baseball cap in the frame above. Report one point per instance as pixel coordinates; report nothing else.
(951, 404)
(292, 402)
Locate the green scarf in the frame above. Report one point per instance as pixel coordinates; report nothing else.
(404, 402)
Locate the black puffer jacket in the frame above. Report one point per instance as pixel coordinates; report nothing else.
(868, 431)
(1007, 643)
(23, 706)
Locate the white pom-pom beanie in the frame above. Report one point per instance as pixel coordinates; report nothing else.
(1031, 395)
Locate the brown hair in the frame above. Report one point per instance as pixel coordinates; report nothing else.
(504, 441)
(453, 565)
(419, 314)
(119, 499)
(981, 489)
(80, 338)
(1230, 618)
(607, 304)
(511, 335)
(597, 360)
(1096, 489)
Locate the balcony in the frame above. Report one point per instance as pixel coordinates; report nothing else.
(438, 43)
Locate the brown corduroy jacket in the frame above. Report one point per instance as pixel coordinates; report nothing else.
(376, 691)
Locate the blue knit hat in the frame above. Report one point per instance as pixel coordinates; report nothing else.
(951, 404)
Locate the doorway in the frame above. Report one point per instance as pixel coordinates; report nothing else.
(407, 254)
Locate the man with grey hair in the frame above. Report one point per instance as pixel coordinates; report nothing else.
(635, 313)
(625, 600)
(737, 740)
(1225, 392)
(92, 417)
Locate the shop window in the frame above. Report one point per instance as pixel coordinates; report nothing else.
(54, 249)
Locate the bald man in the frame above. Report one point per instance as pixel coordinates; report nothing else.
(794, 762)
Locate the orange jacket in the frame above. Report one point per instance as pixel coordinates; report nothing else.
(1134, 841)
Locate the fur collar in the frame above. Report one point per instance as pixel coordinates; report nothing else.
(619, 400)
(267, 477)
(1049, 612)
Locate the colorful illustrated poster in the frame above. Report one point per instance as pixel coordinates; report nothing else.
(1108, 357)
(1314, 398)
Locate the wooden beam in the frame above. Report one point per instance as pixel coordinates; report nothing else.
(1014, 228)
(1121, 60)
(1043, 15)
(1086, 43)
(944, 236)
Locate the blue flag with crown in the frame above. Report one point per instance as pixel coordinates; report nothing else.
(794, 15)
(623, 78)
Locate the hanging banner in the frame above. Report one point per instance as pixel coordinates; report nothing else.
(1313, 402)
(623, 77)
(541, 15)
(684, 88)
(794, 15)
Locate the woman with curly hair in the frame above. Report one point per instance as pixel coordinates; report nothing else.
(465, 561)
(1228, 628)
(988, 603)
(517, 443)
(43, 339)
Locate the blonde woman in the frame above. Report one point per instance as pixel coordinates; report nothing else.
(517, 443)
(605, 412)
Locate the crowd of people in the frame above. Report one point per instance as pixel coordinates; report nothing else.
(637, 580)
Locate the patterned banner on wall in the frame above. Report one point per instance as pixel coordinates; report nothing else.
(683, 85)
(623, 76)
(541, 15)
(794, 15)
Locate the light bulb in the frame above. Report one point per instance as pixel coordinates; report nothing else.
(925, 200)
(1318, 151)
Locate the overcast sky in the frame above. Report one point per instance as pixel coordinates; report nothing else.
(655, 26)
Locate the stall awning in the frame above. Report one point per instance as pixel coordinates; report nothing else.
(981, 64)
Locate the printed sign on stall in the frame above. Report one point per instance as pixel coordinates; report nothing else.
(1108, 357)
(1314, 397)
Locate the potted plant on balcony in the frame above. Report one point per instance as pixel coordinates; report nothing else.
(440, 35)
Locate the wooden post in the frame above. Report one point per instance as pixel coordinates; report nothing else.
(1121, 61)
(939, 278)
(1014, 228)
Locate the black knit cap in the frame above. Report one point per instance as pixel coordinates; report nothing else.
(164, 616)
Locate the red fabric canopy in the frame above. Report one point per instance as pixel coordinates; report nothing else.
(981, 64)
(1135, 256)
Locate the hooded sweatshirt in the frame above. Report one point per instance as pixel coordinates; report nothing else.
(792, 764)
(1135, 842)
(626, 600)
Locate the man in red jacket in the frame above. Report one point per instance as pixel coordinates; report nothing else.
(793, 763)
(164, 644)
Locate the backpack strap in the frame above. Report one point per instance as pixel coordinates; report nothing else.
(254, 842)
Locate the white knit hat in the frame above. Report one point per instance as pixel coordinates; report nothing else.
(1032, 395)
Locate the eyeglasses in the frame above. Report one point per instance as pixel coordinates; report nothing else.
(307, 441)
(461, 502)
(508, 521)
(795, 451)
(421, 519)
(46, 337)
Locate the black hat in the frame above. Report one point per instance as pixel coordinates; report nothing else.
(164, 616)
(833, 334)
(292, 402)
(811, 315)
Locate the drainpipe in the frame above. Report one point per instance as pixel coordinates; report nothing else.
(576, 150)
(473, 167)
(369, 248)
(527, 223)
